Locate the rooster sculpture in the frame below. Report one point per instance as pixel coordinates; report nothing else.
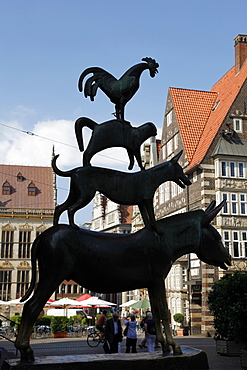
(118, 91)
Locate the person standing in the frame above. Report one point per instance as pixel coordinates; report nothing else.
(131, 334)
(113, 332)
(150, 332)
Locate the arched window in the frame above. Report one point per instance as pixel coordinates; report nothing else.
(6, 188)
(19, 177)
(32, 189)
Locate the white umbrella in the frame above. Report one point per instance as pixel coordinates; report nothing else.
(96, 302)
(127, 304)
(14, 302)
(66, 302)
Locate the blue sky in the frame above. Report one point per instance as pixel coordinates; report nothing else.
(45, 45)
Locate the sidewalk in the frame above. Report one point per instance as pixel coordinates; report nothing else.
(78, 346)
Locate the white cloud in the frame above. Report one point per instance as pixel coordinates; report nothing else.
(22, 111)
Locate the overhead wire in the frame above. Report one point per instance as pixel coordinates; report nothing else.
(30, 133)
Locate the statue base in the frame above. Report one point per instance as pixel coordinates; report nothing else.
(192, 358)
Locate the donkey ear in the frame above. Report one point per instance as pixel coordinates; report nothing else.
(209, 216)
(176, 157)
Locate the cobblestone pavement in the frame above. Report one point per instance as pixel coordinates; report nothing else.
(79, 346)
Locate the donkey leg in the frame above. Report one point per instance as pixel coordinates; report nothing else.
(31, 310)
(154, 299)
(165, 319)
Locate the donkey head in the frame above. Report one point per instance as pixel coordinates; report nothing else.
(211, 249)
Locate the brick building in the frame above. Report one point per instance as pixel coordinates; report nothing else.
(211, 128)
(27, 201)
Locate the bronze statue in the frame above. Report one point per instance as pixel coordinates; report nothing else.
(65, 253)
(113, 134)
(121, 187)
(118, 91)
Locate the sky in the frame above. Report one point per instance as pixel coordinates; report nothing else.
(46, 45)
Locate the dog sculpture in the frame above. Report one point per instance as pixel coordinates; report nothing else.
(113, 133)
(121, 187)
(65, 253)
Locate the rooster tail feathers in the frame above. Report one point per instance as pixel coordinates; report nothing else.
(88, 88)
(94, 70)
(79, 124)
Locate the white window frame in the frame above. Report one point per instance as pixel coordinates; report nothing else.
(169, 118)
(169, 147)
(237, 125)
(232, 169)
(175, 139)
(236, 242)
(236, 203)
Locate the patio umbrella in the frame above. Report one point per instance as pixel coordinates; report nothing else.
(127, 304)
(97, 302)
(83, 297)
(143, 303)
(65, 302)
(15, 302)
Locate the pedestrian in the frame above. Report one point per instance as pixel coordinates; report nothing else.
(131, 334)
(144, 340)
(150, 332)
(113, 332)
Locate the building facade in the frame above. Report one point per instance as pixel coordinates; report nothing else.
(27, 201)
(211, 128)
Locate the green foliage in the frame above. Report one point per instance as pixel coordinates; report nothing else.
(59, 324)
(84, 321)
(44, 320)
(15, 321)
(228, 303)
(178, 317)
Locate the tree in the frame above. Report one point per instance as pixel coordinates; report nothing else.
(228, 303)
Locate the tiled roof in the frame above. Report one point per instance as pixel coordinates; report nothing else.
(227, 89)
(19, 198)
(192, 110)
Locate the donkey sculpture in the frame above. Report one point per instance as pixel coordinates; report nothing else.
(121, 187)
(65, 253)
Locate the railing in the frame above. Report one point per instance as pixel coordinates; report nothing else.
(8, 332)
(28, 212)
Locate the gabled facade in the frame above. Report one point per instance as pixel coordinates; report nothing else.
(27, 201)
(211, 128)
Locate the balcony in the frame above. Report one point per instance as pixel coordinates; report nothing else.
(26, 213)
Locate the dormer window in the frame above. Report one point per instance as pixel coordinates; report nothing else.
(6, 188)
(19, 177)
(237, 124)
(32, 189)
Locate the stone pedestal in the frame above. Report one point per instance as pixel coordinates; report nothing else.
(192, 359)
